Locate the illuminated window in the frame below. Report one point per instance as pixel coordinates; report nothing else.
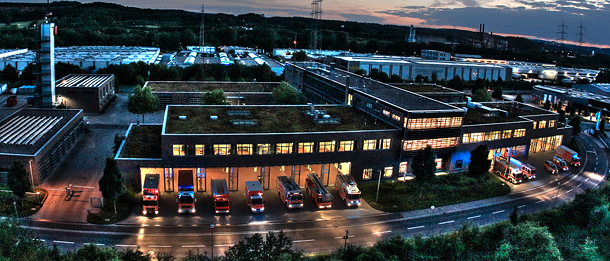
(519, 133)
(396, 117)
(410, 145)
(473, 137)
(551, 124)
(492, 135)
(403, 167)
(386, 112)
(367, 174)
(327, 146)
(541, 124)
(387, 172)
(369, 145)
(283, 148)
(244, 149)
(385, 144)
(534, 125)
(439, 163)
(506, 134)
(305, 147)
(199, 149)
(179, 149)
(263, 149)
(434, 123)
(222, 149)
(346, 145)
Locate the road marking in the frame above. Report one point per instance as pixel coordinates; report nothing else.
(498, 212)
(201, 245)
(539, 201)
(125, 245)
(83, 187)
(158, 246)
(304, 240)
(579, 185)
(58, 189)
(569, 191)
(227, 245)
(41, 240)
(446, 222)
(586, 179)
(473, 217)
(62, 242)
(415, 227)
(522, 206)
(382, 232)
(347, 236)
(97, 244)
(557, 196)
(591, 151)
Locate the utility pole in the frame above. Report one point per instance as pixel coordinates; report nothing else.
(580, 34)
(202, 30)
(316, 15)
(562, 33)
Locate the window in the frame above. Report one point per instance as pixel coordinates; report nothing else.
(396, 117)
(506, 134)
(551, 124)
(179, 149)
(367, 174)
(519, 133)
(492, 135)
(222, 149)
(369, 145)
(327, 146)
(305, 147)
(439, 163)
(473, 137)
(385, 144)
(403, 167)
(541, 124)
(458, 164)
(263, 149)
(199, 149)
(410, 145)
(387, 113)
(534, 125)
(387, 172)
(283, 148)
(244, 149)
(346, 145)
(434, 123)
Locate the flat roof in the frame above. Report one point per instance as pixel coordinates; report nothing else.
(144, 141)
(28, 130)
(515, 110)
(425, 88)
(83, 80)
(200, 86)
(265, 119)
(411, 60)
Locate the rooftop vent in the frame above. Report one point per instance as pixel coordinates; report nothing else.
(213, 117)
(238, 113)
(249, 122)
(183, 118)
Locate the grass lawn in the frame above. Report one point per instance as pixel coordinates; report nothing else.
(448, 190)
(27, 206)
(124, 207)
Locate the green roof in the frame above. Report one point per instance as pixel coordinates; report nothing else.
(193, 86)
(425, 88)
(266, 119)
(144, 141)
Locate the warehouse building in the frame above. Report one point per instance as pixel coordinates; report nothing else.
(90, 92)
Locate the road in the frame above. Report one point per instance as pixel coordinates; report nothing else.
(325, 234)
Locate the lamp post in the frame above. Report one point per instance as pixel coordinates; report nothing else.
(15, 205)
(378, 183)
(556, 194)
(345, 237)
(212, 246)
(432, 211)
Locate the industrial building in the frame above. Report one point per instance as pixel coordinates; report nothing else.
(593, 101)
(409, 67)
(368, 129)
(90, 58)
(90, 92)
(39, 139)
(242, 56)
(435, 55)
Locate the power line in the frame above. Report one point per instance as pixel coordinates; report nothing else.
(562, 33)
(580, 34)
(316, 14)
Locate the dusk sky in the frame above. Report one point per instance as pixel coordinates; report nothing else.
(529, 18)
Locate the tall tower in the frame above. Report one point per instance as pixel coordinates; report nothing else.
(316, 15)
(45, 60)
(411, 34)
(202, 30)
(580, 34)
(562, 33)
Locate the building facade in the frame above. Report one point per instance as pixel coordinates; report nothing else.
(90, 92)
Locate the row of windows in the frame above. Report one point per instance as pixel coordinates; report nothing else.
(433, 123)
(543, 124)
(368, 173)
(280, 148)
(492, 135)
(394, 116)
(409, 145)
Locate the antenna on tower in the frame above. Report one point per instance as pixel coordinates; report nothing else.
(316, 15)
(562, 33)
(202, 30)
(580, 34)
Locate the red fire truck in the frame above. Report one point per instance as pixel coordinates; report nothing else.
(220, 195)
(289, 192)
(348, 190)
(150, 194)
(318, 192)
(508, 171)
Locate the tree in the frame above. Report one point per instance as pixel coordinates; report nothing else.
(519, 98)
(528, 241)
(111, 183)
(547, 105)
(424, 165)
(434, 77)
(142, 101)
(19, 179)
(481, 95)
(299, 56)
(215, 97)
(10, 74)
(479, 164)
(575, 123)
(255, 248)
(285, 94)
(497, 93)
(19, 244)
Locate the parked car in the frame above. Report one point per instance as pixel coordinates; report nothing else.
(561, 164)
(550, 166)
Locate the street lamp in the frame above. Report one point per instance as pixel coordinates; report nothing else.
(378, 182)
(212, 246)
(556, 194)
(346, 237)
(432, 211)
(15, 205)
